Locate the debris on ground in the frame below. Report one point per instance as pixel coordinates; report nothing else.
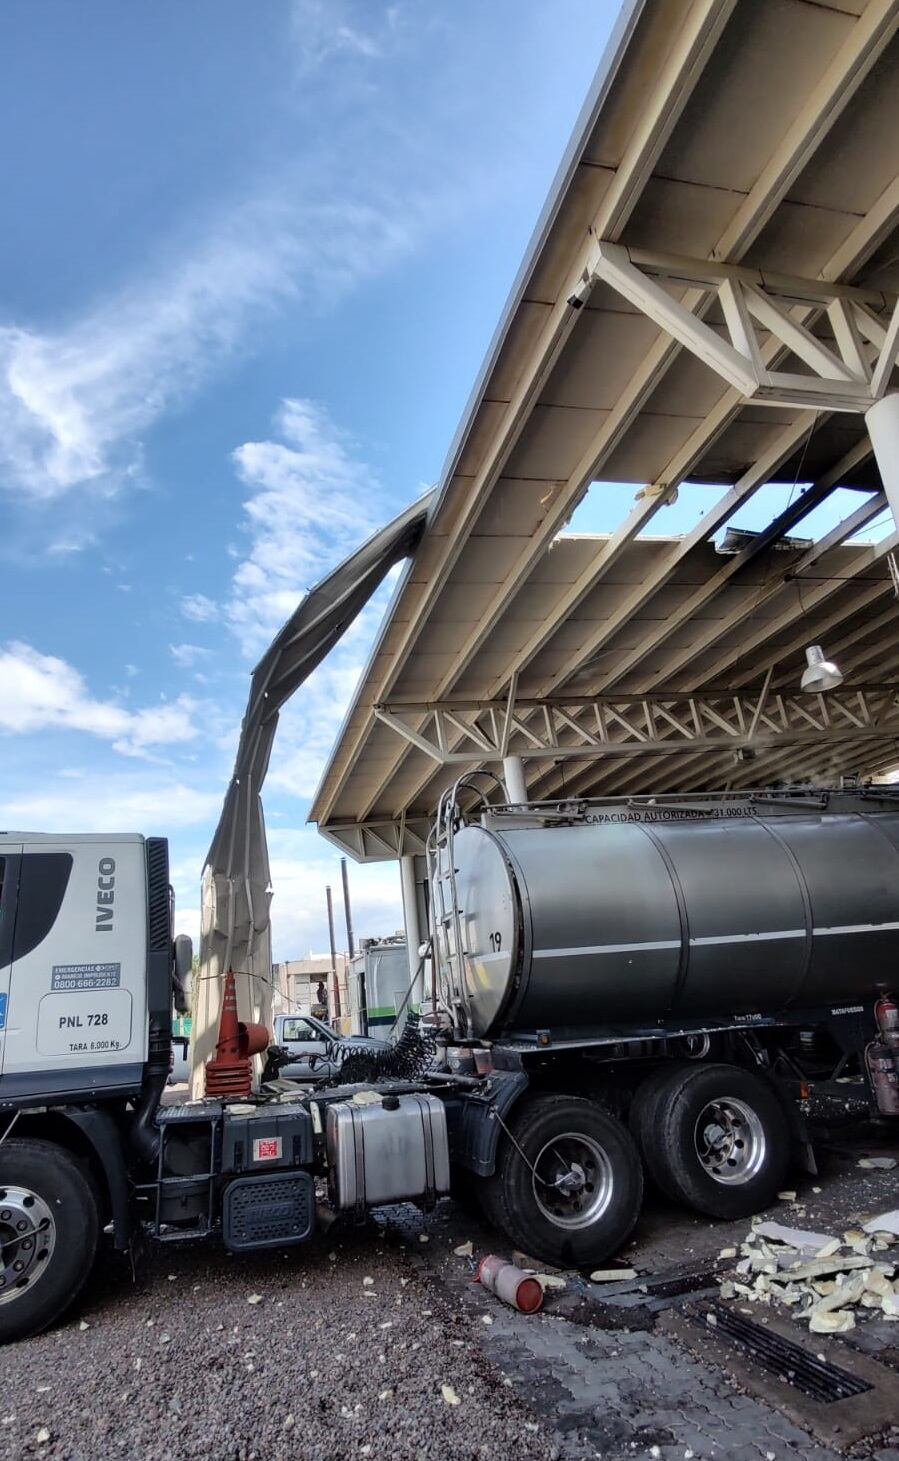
(877, 1164)
(550, 1281)
(794, 1237)
(824, 1280)
(612, 1275)
(884, 1223)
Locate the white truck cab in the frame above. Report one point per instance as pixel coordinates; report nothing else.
(73, 964)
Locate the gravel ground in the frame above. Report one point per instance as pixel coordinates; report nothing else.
(324, 1366)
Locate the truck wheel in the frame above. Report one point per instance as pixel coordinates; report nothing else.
(714, 1137)
(49, 1227)
(568, 1188)
(642, 1114)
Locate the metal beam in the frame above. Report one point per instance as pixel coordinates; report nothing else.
(795, 288)
(757, 597)
(781, 525)
(784, 445)
(778, 452)
(625, 726)
(718, 769)
(547, 783)
(866, 40)
(851, 255)
(683, 67)
(807, 600)
(839, 83)
(835, 383)
(886, 664)
(380, 839)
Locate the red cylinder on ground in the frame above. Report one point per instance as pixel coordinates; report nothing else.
(520, 1290)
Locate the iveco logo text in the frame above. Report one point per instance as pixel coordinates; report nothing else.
(105, 894)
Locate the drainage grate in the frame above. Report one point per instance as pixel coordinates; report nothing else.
(790, 1362)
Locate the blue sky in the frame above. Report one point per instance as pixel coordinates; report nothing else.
(251, 261)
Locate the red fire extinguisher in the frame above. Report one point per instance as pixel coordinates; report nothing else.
(886, 1013)
(882, 1057)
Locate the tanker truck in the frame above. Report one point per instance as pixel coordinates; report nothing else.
(612, 991)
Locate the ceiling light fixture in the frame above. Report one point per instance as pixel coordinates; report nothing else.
(819, 673)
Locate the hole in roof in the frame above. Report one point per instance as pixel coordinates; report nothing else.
(606, 505)
(602, 509)
(770, 500)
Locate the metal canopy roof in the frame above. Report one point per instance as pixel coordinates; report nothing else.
(709, 298)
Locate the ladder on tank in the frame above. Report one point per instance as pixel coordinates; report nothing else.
(448, 940)
(447, 914)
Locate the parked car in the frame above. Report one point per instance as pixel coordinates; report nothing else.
(316, 1046)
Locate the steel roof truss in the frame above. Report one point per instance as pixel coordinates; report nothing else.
(735, 719)
(838, 382)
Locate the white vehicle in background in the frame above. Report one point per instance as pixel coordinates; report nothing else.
(315, 1048)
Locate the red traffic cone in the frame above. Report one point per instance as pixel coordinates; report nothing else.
(230, 1072)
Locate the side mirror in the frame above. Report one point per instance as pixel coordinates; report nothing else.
(184, 958)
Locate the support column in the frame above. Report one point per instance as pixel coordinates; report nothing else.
(411, 921)
(882, 421)
(513, 776)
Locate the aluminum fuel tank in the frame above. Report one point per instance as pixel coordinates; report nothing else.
(598, 923)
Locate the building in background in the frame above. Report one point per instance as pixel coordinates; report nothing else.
(296, 982)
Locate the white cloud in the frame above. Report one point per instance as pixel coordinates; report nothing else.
(43, 692)
(302, 867)
(312, 501)
(154, 805)
(187, 656)
(199, 608)
(74, 401)
(326, 30)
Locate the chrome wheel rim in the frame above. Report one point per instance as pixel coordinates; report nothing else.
(27, 1240)
(730, 1141)
(572, 1180)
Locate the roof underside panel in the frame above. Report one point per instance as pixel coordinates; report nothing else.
(757, 136)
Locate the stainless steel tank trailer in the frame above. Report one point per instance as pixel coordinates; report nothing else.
(678, 988)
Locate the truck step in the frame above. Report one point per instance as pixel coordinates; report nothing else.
(272, 1211)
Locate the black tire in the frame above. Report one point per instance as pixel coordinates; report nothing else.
(61, 1204)
(557, 1133)
(741, 1172)
(642, 1114)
